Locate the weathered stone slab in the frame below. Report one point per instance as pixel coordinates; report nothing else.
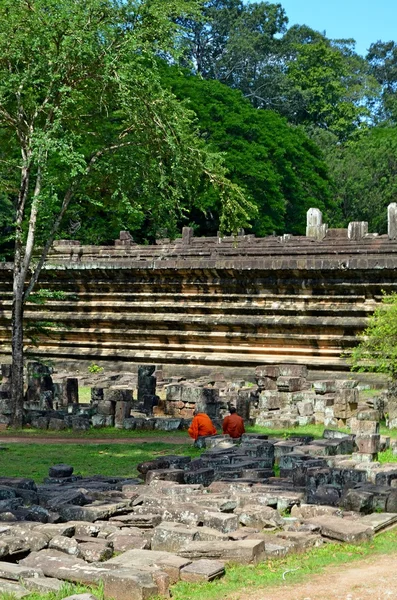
(220, 521)
(379, 521)
(242, 551)
(14, 590)
(17, 572)
(343, 530)
(43, 584)
(92, 512)
(171, 537)
(203, 570)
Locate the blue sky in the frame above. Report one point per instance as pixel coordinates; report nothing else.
(366, 21)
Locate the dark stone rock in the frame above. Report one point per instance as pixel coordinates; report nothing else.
(203, 476)
(60, 470)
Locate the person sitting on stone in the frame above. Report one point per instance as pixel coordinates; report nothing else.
(201, 426)
(233, 424)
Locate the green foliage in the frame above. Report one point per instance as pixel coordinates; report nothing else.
(377, 350)
(365, 174)
(82, 101)
(93, 368)
(277, 165)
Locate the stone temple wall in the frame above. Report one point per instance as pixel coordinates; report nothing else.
(216, 302)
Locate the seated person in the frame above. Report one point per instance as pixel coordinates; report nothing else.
(233, 424)
(201, 426)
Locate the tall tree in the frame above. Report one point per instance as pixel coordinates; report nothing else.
(278, 166)
(365, 175)
(80, 95)
(382, 59)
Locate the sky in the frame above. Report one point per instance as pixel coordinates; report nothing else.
(366, 21)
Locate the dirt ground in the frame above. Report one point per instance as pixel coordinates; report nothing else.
(374, 578)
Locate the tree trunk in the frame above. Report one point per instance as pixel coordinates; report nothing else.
(17, 389)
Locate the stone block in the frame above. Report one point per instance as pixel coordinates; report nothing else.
(56, 424)
(44, 585)
(305, 409)
(168, 474)
(368, 415)
(117, 395)
(289, 384)
(167, 424)
(242, 551)
(325, 386)
(223, 522)
(358, 500)
(266, 383)
(203, 570)
(270, 400)
(361, 427)
(271, 371)
(343, 530)
(368, 444)
(287, 370)
(171, 536)
(201, 476)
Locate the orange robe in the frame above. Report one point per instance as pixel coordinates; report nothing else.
(201, 425)
(233, 425)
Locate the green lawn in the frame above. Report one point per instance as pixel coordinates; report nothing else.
(34, 460)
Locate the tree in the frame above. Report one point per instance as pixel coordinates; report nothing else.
(382, 60)
(365, 174)
(80, 96)
(278, 166)
(377, 350)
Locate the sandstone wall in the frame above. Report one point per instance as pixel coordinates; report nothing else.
(232, 302)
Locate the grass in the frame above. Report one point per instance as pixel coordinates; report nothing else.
(33, 460)
(100, 432)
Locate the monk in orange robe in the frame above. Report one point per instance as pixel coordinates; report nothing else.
(233, 424)
(201, 426)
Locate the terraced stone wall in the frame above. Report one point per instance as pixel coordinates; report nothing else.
(217, 302)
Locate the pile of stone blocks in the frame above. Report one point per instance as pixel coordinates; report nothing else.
(182, 399)
(285, 398)
(189, 518)
(365, 427)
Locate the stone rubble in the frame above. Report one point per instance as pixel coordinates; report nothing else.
(140, 536)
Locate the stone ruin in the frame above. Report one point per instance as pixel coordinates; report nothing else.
(185, 519)
(282, 398)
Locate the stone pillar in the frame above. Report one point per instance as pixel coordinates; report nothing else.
(5, 396)
(187, 235)
(126, 239)
(96, 395)
(70, 391)
(122, 412)
(146, 386)
(40, 390)
(357, 230)
(392, 221)
(314, 224)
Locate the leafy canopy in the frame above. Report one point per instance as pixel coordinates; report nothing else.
(277, 165)
(85, 121)
(377, 350)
